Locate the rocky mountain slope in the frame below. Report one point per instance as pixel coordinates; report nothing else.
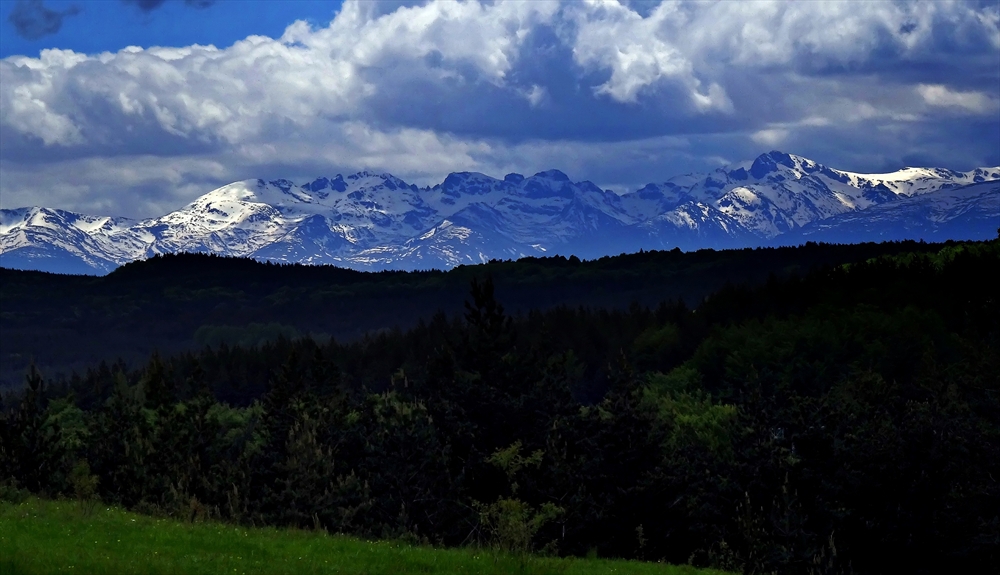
(377, 221)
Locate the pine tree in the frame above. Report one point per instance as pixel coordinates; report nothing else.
(34, 446)
(158, 385)
(123, 445)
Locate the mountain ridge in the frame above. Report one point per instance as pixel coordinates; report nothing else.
(372, 221)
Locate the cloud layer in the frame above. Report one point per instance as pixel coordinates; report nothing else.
(620, 93)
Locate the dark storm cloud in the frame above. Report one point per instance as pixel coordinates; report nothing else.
(145, 5)
(32, 20)
(150, 5)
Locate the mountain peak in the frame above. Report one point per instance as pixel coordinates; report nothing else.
(552, 175)
(322, 183)
(370, 220)
(769, 162)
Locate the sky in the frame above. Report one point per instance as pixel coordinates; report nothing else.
(137, 107)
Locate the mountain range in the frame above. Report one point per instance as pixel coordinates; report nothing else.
(376, 221)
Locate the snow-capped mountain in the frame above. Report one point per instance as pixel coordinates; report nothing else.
(971, 211)
(377, 221)
(777, 192)
(66, 242)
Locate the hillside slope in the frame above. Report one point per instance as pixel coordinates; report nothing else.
(66, 323)
(118, 542)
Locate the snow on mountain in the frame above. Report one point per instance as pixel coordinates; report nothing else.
(962, 213)
(377, 221)
(695, 225)
(340, 214)
(57, 240)
(778, 192)
(917, 181)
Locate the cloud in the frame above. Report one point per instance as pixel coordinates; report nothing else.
(150, 5)
(618, 93)
(32, 20)
(145, 5)
(640, 52)
(938, 95)
(536, 95)
(770, 136)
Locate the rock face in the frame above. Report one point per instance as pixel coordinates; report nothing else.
(375, 221)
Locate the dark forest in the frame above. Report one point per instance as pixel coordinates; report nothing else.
(821, 409)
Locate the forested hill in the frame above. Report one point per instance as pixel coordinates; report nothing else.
(842, 420)
(179, 302)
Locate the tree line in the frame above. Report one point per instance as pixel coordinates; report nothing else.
(179, 302)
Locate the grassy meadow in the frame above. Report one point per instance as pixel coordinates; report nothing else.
(39, 536)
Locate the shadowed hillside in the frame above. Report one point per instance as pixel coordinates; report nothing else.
(179, 302)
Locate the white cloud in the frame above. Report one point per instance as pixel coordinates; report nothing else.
(202, 92)
(639, 52)
(536, 95)
(26, 93)
(938, 95)
(990, 20)
(770, 136)
(690, 43)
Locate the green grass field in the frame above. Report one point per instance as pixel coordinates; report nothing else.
(56, 537)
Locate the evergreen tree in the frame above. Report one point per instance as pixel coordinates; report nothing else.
(158, 385)
(123, 447)
(33, 444)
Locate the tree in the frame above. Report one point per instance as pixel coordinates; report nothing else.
(158, 385)
(123, 445)
(34, 445)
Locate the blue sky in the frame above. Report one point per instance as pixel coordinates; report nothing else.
(93, 26)
(137, 107)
